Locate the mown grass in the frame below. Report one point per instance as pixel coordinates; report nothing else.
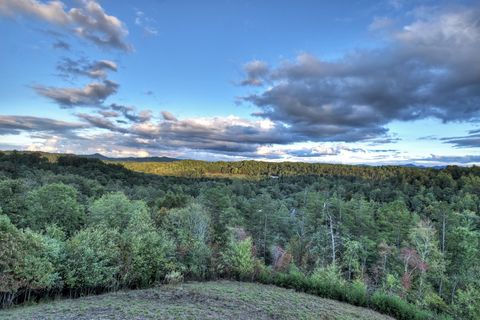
(197, 300)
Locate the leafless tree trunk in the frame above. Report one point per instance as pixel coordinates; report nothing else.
(444, 223)
(331, 232)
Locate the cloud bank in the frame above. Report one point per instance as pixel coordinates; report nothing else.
(428, 68)
(89, 21)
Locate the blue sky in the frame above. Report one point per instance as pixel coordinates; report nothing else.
(377, 82)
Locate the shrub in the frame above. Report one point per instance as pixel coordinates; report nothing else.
(329, 283)
(396, 307)
(189, 228)
(150, 254)
(467, 305)
(36, 267)
(174, 277)
(54, 202)
(28, 262)
(328, 275)
(93, 259)
(115, 210)
(357, 293)
(238, 258)
(10, 254)
(326, 284)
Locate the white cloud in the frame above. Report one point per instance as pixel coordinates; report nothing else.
(146, 23)
(89, 21)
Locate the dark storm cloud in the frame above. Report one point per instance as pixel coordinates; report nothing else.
(16, 124)
(129, 113)
(60, 44)
(168, 116)
(100, 122)
(228, 135)
(89, 21)
(108, 114)
(384, 140)
(255, 71)
(468, 141)
(93, 94)
(69, 68)
(430, 68)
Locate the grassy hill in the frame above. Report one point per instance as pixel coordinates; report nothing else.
(208, 300)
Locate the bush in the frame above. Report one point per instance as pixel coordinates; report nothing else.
(357, 293)
(328, 275)
(238, 258)
(36, 268)
(93, 259)
(28, 262)
(10, 254)
(329, 283)
(326, 284)
(174, 277)
(150, 254)
(115, 210)
(189, 228)
(54, 202)
(467, 304)
(396, 307)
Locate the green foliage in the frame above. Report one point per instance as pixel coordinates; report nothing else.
(10, 256)
(328, 282)
(174, 277)
(357, 293)
(411, 235)
(394, 222)
(216, 203)
(39, 268)
(397, 307)
(115, 210)
(56, 203)
(12, 201)
(189, 227)
(28, 261)
(392, 285)
(238, 258)
(92, 261)
(468, 303)
(329, 275)
(149, 254)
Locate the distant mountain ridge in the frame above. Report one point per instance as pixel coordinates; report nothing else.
(54, 156)
(128, 159)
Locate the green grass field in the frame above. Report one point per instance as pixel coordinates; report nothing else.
(196, 300)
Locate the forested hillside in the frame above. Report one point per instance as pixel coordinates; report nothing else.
(252, 169)
(372, 236)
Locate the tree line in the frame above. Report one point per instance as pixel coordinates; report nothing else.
(391, 238)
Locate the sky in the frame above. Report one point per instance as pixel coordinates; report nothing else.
(357, 82)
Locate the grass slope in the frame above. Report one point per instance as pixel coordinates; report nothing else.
(197, 300)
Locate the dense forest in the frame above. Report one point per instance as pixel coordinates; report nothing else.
(404, 241)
